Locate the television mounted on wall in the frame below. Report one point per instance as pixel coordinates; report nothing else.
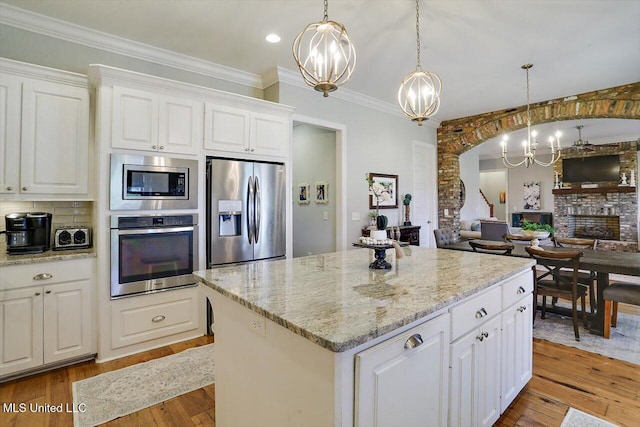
(591, 169)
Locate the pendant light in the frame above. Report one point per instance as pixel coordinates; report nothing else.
(529, 145)
(419, 94)
(325, 54)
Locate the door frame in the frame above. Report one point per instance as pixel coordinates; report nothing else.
(341, 176)
(427, 239)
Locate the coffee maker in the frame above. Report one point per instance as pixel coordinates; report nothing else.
(28, 232)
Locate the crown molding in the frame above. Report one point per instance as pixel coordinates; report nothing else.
(51, 27)
(23, 69)
(294, 79)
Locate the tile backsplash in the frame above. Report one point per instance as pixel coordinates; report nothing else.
(64, 213)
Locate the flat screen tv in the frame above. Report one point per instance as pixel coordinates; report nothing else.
(591, 169)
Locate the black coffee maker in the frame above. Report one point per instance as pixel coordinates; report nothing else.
(28, 232)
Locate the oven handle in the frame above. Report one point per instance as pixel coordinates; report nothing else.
(154, 230)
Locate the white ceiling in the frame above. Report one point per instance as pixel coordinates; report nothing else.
(477, 47)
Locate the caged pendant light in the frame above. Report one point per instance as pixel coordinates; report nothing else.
(530, 145)
(419, 94)
(325, 54)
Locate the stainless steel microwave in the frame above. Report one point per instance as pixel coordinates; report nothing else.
(153, 182)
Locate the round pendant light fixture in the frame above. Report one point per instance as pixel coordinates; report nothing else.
(325, 54)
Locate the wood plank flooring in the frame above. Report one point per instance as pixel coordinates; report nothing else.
(562, 377)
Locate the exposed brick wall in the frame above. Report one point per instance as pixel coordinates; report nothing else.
(460, 135)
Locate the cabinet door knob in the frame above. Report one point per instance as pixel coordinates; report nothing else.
(162, 147)
(522, 308)
(414, 341)
(246, 149)
(157, 319)
(24, 188)
(155, 147)
(521, 290)
(37, 293)
(252, 150)
(43, 276)
(482, 336)
(481, 313)
(9, 188)
(47, 292)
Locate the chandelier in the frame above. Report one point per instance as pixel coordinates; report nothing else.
(325, 54)
(530, 144)
(419, 93)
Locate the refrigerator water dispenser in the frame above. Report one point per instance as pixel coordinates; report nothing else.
(229, 217)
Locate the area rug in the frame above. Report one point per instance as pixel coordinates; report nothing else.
(576, 418)
(624, 343)
(114, 394)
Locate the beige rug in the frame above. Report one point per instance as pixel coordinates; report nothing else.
(576, 418)
(113, 394)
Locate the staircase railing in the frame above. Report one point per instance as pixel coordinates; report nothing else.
(488, 203)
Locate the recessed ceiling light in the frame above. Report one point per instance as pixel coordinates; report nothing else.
(272, 38)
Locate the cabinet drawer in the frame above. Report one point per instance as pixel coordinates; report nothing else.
(46, 273)
(516, 287)
(148, 317)
(475, 312)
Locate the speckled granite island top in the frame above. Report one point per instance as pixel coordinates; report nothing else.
(336, 301)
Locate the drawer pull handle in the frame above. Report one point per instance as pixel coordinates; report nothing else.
(157, 319)
(155, 147)
(9, 188)
(43, 276)
(37, 294)
(47, 292)
(482, 336)
(162, 147)
(413, 341)
(481, 313)
(521, 290)
(522, 308)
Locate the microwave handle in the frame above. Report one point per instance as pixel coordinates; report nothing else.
(250, 209)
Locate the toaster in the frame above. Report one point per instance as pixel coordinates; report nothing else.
(72, 238)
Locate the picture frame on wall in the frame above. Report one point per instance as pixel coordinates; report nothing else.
(532, 195)
(322, 195)
(303, 193)
(387, 194)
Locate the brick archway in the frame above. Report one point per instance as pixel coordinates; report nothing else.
(460, 135)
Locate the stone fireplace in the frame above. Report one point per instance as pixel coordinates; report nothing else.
(608, 212)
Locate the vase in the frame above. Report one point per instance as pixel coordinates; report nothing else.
(379, 234)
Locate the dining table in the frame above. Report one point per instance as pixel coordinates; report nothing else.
(603, 262)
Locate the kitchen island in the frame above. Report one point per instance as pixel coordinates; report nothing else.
(324, 340)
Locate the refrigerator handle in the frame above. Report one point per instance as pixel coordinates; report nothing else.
(257, 209)
(250, 209)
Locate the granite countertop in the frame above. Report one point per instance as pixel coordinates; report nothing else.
(336, 301)
(48, 256)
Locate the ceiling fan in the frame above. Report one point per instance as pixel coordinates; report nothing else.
(580, 144)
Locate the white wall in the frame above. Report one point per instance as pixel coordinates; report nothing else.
(491, 183)
(375, 142)
(314, 159)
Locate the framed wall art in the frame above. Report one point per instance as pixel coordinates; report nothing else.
(303, 193)
(383, 191)
(532, 195)
(322, 195)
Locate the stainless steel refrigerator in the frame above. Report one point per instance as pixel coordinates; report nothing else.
(245, 211)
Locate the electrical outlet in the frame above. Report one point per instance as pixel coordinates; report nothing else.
(446, 212)
(355, 216)
(257, 324)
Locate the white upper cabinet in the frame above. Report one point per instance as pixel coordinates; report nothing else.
(245, 132)
(149, 121)
(44, 137)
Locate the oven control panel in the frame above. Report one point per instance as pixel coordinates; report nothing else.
(153, 221)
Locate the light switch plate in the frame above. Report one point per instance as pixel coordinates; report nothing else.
(325, 215)
(355, 216)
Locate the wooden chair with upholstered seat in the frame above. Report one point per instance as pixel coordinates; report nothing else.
(489, 247)
(585, 278)
(552, 284)
(624, 292)
(516, 238)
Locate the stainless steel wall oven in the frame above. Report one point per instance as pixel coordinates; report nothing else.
(151, 253)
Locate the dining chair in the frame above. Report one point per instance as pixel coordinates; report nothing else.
(445, 236)
(515, 238)
(489, 247)
(493, 230)
(624, 292)
(585, 278)
(552, 284)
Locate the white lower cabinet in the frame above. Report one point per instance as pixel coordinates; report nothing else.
(475, 377)
(517, 348)
(404, 381)
(45, 324)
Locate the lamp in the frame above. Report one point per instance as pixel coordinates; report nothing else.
(325, 54)
(529, 145)
(419, 93)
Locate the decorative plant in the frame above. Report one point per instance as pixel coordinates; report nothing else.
(379, 192)
(534, 226)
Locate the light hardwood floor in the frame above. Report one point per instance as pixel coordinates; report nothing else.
(562, 377)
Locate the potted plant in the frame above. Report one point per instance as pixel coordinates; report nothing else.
(535, 230)
(405, 202)
(378, 191)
